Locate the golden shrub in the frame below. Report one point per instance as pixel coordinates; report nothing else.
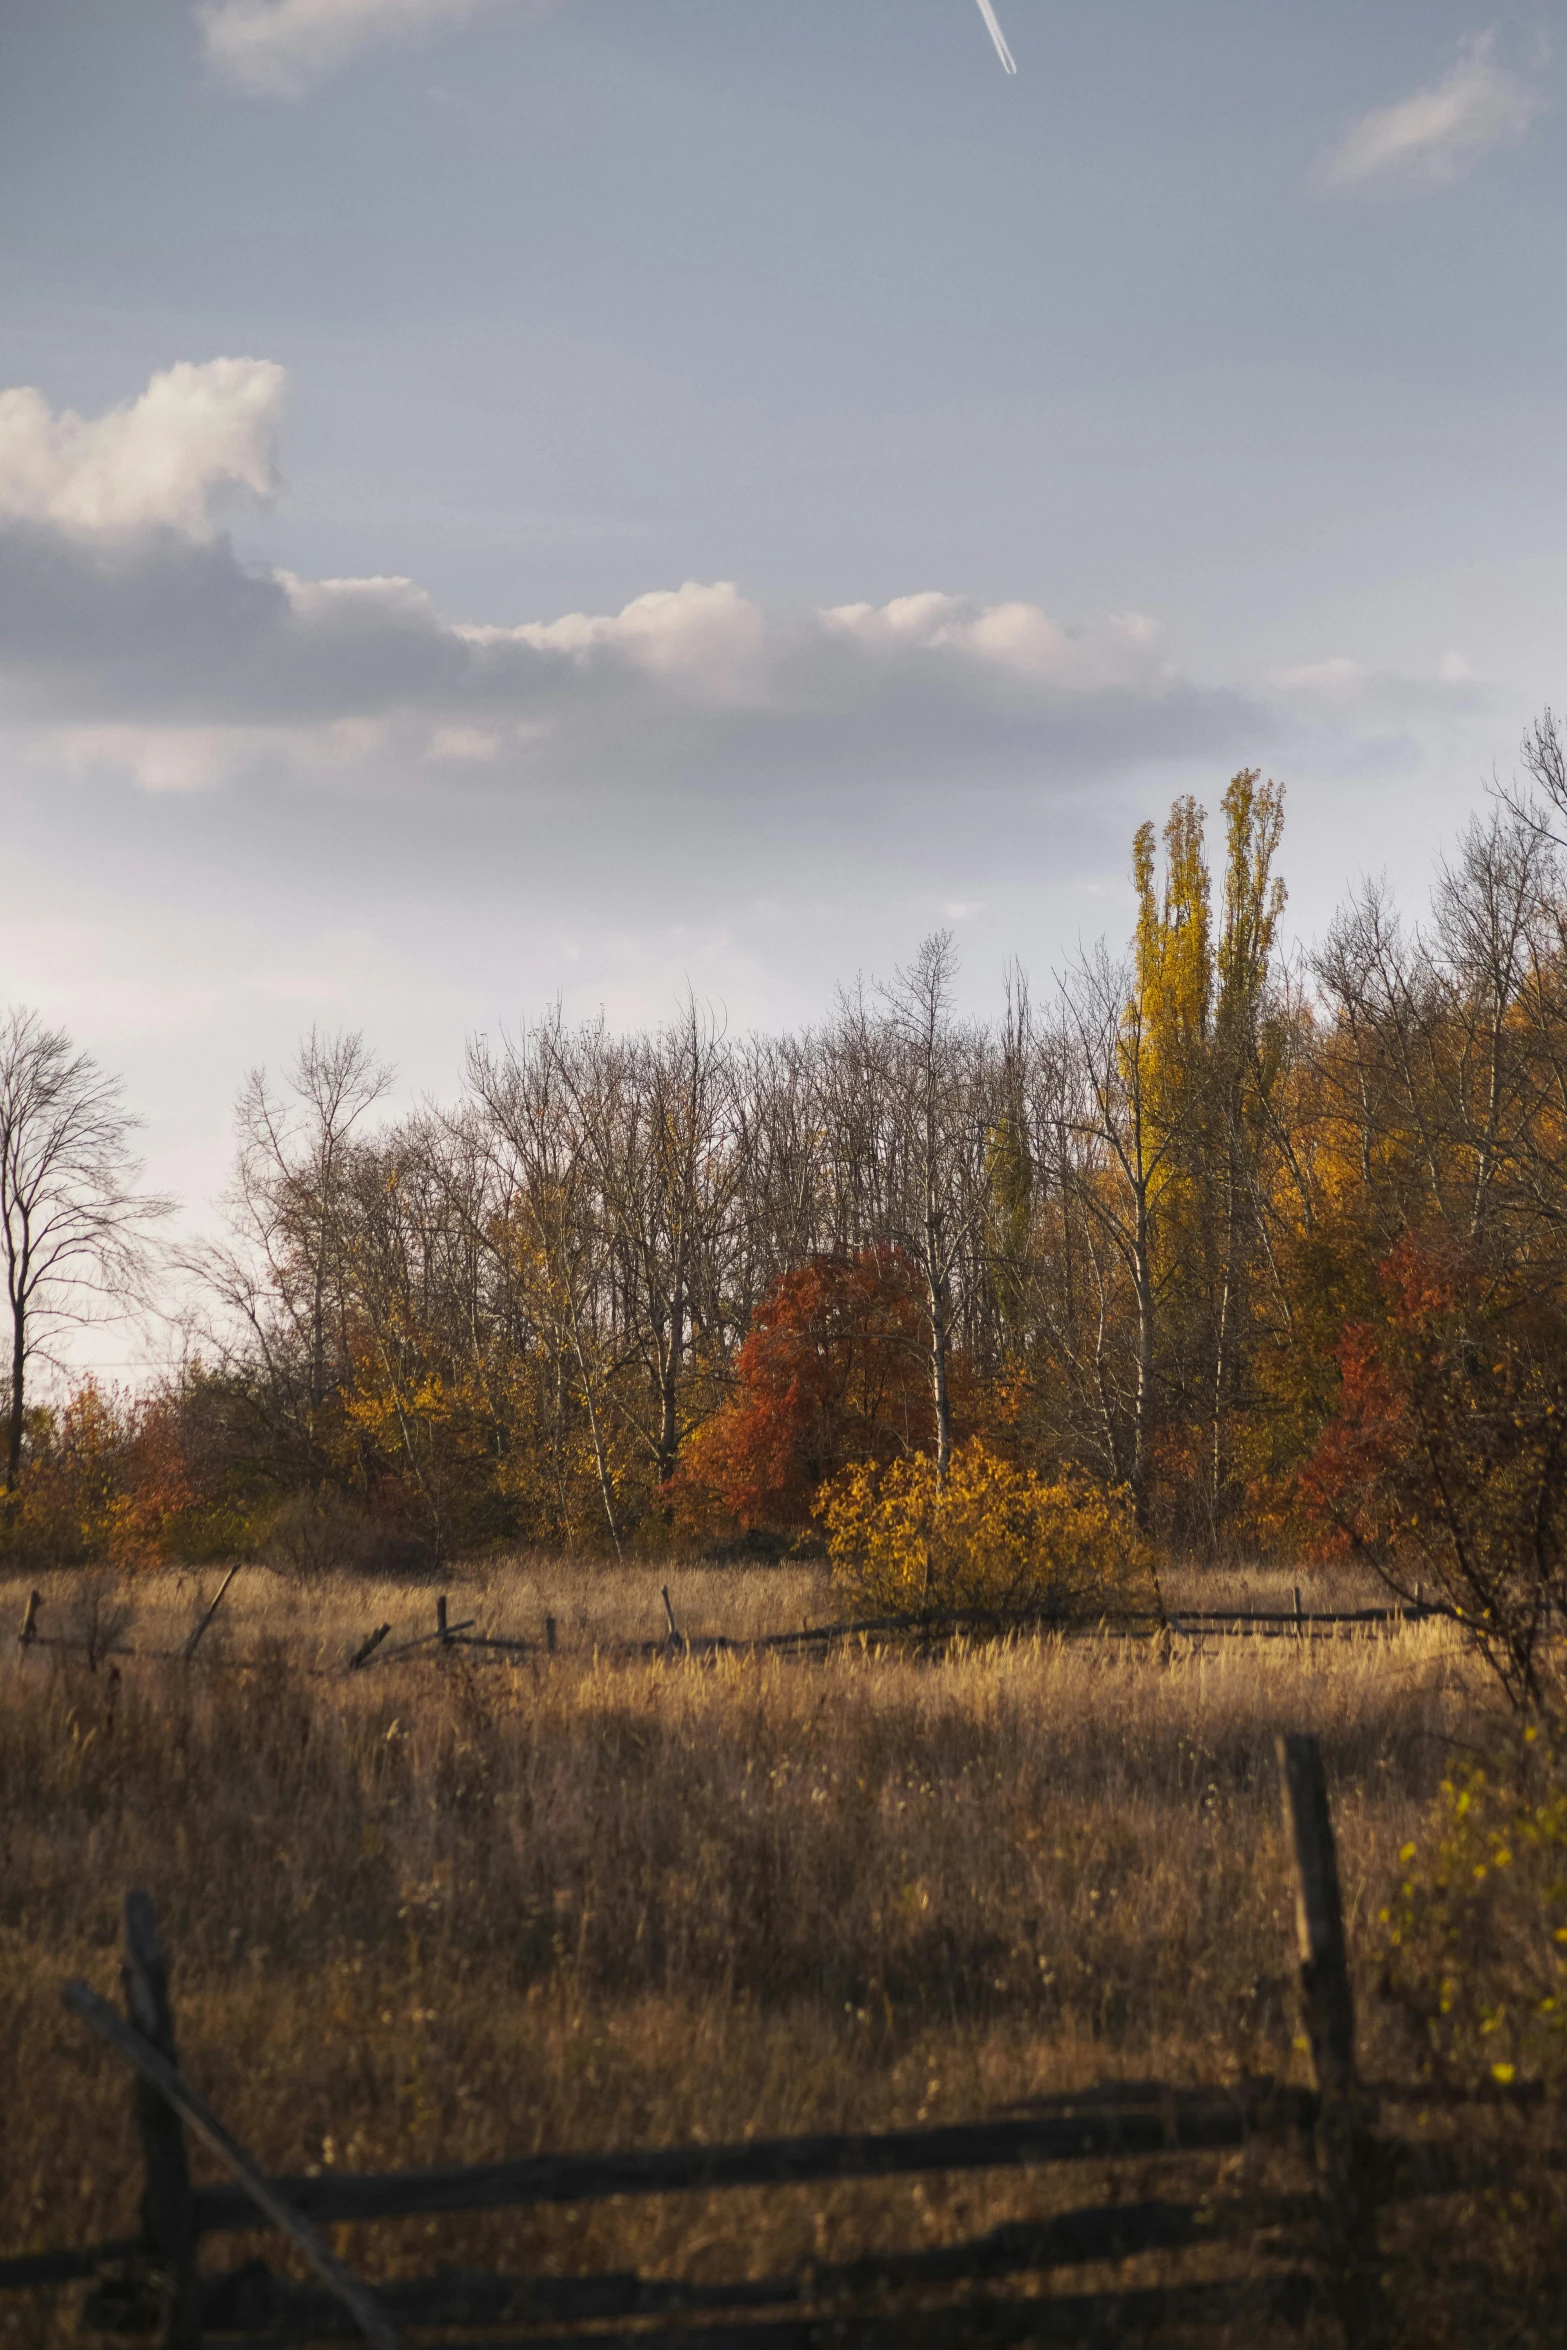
(991, 1536)
(1476, 1932)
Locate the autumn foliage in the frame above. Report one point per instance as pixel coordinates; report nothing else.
(834, 1369)
(989, 1536)
(1446, 1459)
(1271, 1256)
(1475, 1935)
(133, 1480)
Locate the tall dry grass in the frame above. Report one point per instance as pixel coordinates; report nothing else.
(455, 1908)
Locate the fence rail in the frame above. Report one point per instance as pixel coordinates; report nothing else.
(1325, 2232)
(932, 1630)
(1178, 2123)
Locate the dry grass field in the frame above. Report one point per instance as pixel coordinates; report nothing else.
(461, 1906)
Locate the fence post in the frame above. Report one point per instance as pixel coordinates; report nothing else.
(195, 1640)
(1300, 1627)
(441, 1633)
(367, 1648)
(1343, 2145)
(167, 2214)
(549, 1635)
(29, 1631)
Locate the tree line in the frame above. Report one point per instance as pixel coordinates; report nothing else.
(1267, 1243)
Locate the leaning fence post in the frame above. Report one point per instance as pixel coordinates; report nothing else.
(167, 2212)
(29, 1631)
(367, 1648)
(1344, 2152)
(195, 1640)
(1300, 1626)
(166, 2082)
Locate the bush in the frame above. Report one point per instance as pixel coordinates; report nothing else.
(1476, 1949)
(314, 1532)
(992, 1537)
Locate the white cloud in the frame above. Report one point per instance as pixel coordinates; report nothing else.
(196, 433)
(706, 638)
(137, 640)
(346, 604)
(1121, 652)
(279, 47)
(1437, 134)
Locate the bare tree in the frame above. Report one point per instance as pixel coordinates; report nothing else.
(73, 1226)
(1120, 1155)
(938, 1107)
(284, 1283)
(542, 1185)
(655, 1121)
(1544, 756)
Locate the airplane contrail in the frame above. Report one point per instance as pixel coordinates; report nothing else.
(998, 36)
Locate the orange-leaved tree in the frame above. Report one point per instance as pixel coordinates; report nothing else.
(107, 1477)
(835, 1368)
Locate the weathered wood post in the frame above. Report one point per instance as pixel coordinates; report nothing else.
(29, 1631)
(441, 1633)
(367, 1648)
(549, 1635)
(167, 2213)
(1300, 1627)
(1343, 2146)
(195, 1640)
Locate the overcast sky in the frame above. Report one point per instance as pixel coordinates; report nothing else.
(502, 498)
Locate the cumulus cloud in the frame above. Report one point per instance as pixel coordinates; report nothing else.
(1016, 637)
(135, 637)
(1437, 134)
(706, 638)
(277, 48)
(196, 435)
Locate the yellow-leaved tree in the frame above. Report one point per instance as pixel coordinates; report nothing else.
(988, 1536)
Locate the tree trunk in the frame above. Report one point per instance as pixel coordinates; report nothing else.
(936, 1298)
(1221, 1349)
(940, 1395)
(1142, 1441)
(13, 1453)
(667, 1450)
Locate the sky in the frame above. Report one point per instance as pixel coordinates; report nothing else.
(507, 499)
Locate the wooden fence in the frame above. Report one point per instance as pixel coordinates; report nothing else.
(1311, 2249)
(934, 1630)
